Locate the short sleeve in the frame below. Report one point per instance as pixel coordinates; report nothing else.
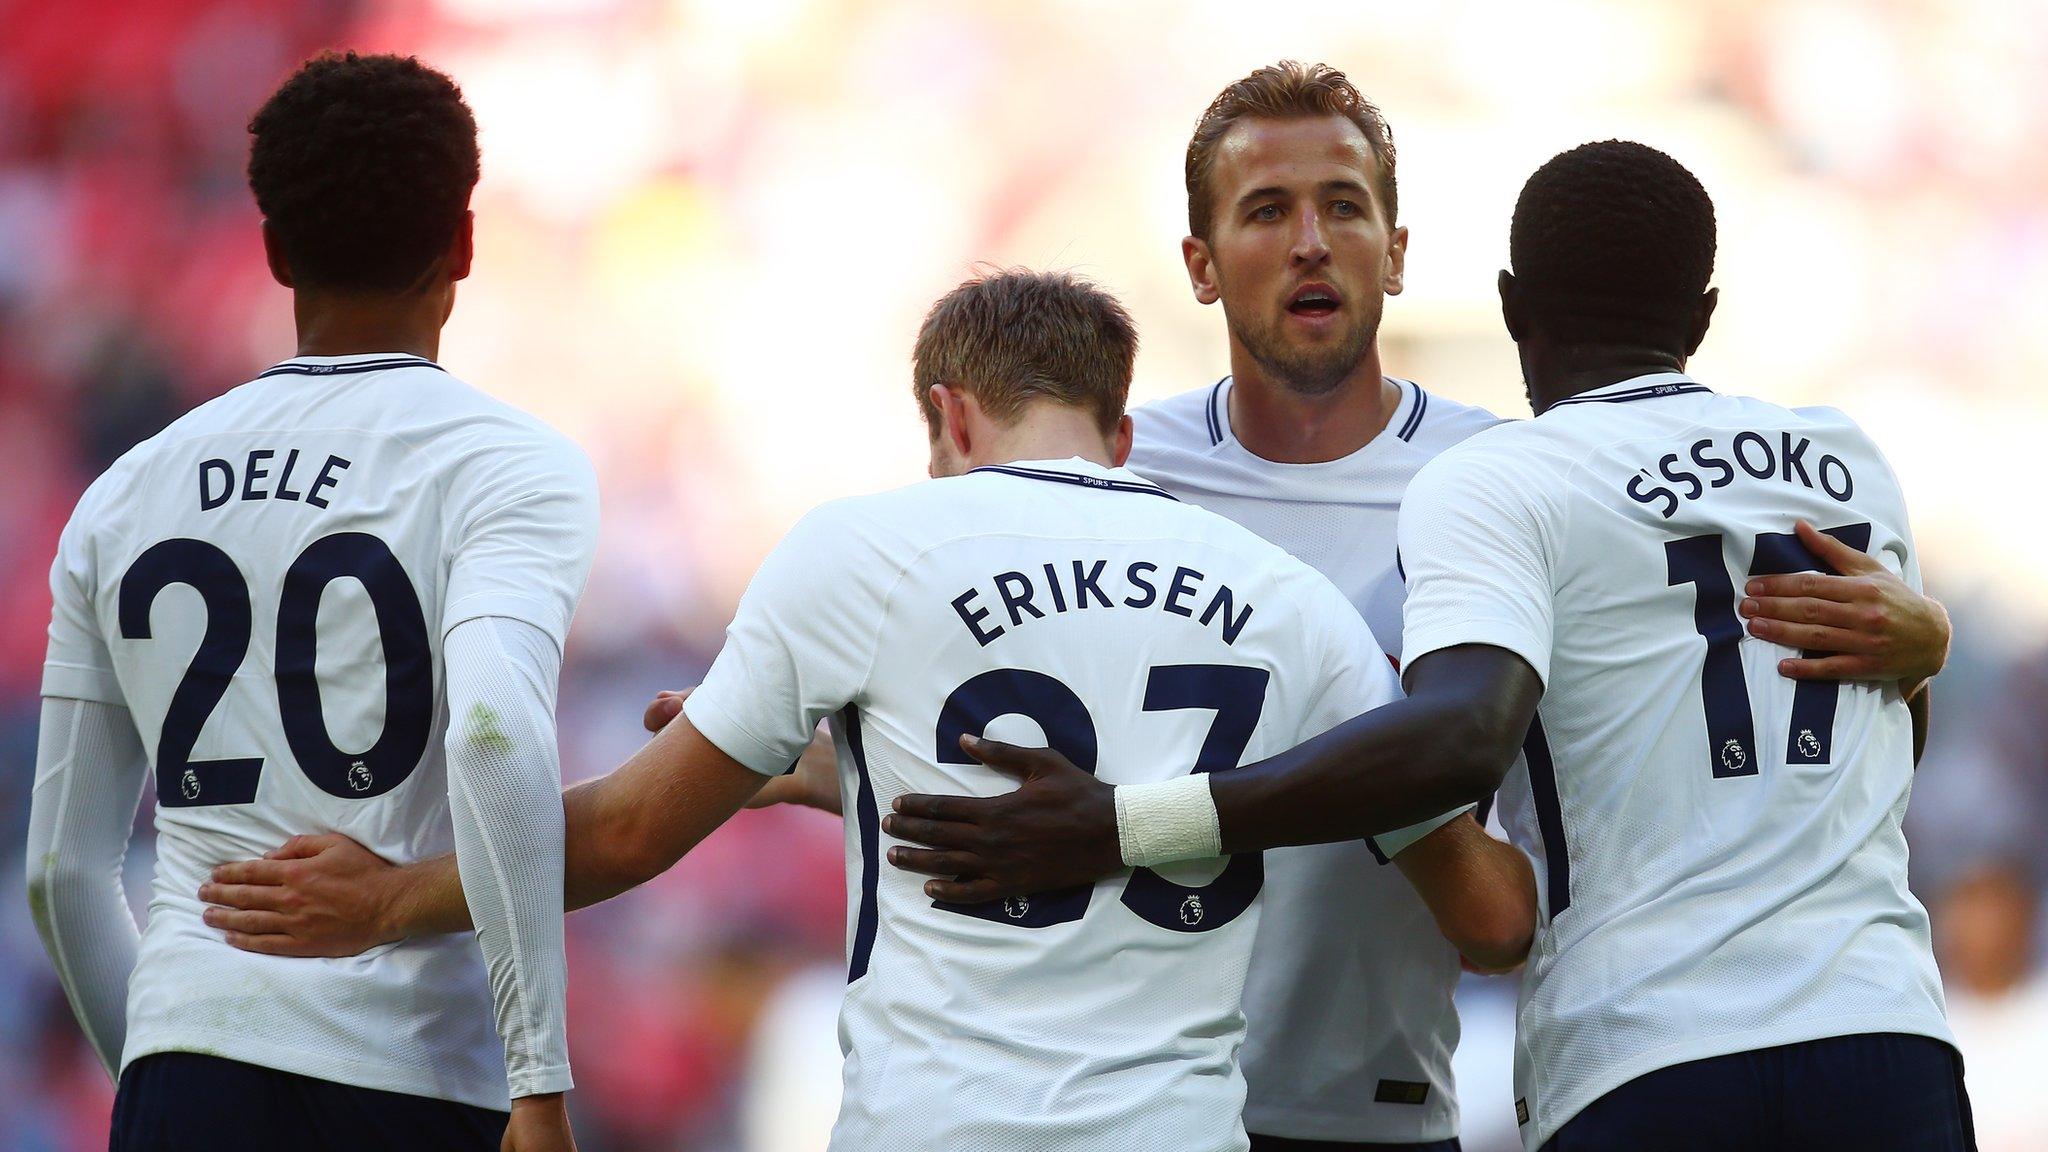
(526, 539)
(77, 665)
(800, 645)
(1476, 535)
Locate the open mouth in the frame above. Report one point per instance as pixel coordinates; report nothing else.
(1313, 300)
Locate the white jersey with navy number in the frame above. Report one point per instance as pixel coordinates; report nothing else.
(265, 586)
(1349, 1020)
(1050, 603)
(1718, 848)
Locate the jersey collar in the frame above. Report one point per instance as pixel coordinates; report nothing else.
(1402, 422)
(1079, 472)
(1651, 387)
(349, 365)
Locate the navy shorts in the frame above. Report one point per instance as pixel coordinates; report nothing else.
(184, 1102)
(1284, 1144)
(1884, 1092)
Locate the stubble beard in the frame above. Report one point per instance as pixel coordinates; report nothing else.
(1306, 371)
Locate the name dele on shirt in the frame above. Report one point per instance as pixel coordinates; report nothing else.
(1788, 461)
(1024, 597)
(260, 478)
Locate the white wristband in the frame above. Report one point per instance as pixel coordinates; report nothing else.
(1171, 820)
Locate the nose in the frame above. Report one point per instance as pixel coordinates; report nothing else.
(1309, 246)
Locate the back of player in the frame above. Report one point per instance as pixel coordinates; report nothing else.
(1724, 867)
(268, 586)
(1056, 602)
(272, 607)
(1061, 602)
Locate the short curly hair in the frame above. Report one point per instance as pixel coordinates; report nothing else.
(1613, 242)
(1289, 90)
(363, 166)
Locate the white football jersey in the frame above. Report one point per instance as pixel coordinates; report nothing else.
(265, 585)
(1050, 603)
(1718, 848)
(1349, 1021)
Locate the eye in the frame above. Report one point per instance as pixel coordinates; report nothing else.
(1346, 208)
(1266, 212)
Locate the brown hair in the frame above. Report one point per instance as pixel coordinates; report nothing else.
(1285, 91)
(1013, 336)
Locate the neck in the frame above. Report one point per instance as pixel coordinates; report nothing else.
(1044, 434)
(333, 324)
(1553, 374)
(1275, 422)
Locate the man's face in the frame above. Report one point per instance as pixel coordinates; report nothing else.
(1300, 250)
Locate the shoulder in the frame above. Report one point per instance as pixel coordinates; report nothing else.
(1435, 422)
(1185, 422)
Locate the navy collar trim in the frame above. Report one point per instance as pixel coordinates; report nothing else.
(1215, 417)
(1407, 431)
(349, 368)
(1080, 478)
(1630, 395)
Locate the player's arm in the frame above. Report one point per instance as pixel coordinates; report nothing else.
(1476, 538)
(1863, 623)
(90, 771)
(1481, 891)
(1446, 745)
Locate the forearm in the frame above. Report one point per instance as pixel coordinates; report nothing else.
(1447, 745)
(1481, 892)
(89, 773)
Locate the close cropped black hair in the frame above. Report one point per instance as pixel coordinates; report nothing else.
(1613, 243)
(363, 166)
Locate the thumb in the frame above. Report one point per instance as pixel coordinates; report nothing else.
(1833, 553)
(1009, 759)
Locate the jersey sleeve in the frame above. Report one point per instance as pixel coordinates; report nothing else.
(526, 537)
(505, 801)
(1357, 676)
(77, 665)
(800, 645)
(1477, 538)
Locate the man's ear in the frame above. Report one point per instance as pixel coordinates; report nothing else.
(1701, 319)
(1397, 263)
(1194, 252)
(273, 255)
(1512, 309)
(1120, 444)
(953, 404)
(462, 249)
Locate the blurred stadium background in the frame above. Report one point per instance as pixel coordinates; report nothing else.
(707, 230)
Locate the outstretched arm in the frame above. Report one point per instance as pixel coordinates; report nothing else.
(1447, 744)
(336, 898)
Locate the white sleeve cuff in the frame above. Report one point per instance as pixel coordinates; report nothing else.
(722, 728)
(1422, 638)
(1387, 845)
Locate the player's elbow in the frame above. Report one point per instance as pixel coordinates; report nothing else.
(1473, 755)
(1495, 937)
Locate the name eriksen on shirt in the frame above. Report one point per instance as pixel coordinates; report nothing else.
(1073, 592)
(1758, 459)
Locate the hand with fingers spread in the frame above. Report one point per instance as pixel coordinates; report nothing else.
(1057, 830)
(1863, 624)
(322, 895)
(814, 783)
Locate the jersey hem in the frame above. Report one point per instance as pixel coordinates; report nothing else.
(82, 682)
(1495, 634)
(719, 726)
(1348, 1127)
(403, 1079)
(1391, 844)
(1547, 1120)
